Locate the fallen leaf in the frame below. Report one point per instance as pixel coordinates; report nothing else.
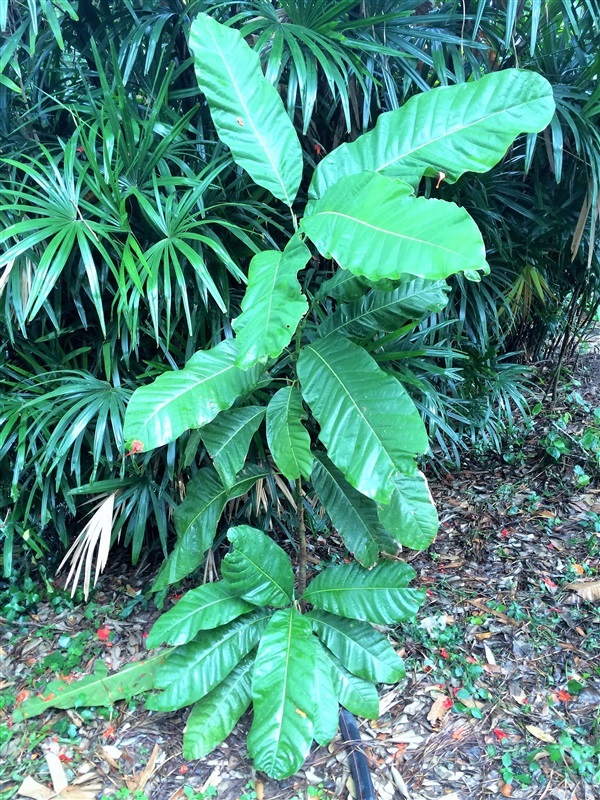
(540, 734)
(138, 781)
(489, 656)
(84, 787)
(35, 790)
(587, 590)
(56, 770)
(563, 697)
(110, 754)
(439, 709)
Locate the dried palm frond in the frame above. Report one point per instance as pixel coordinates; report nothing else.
(97, 532)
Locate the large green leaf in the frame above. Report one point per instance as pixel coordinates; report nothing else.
(196, 520)
(356, 694)
(353, 515)
(227, 439)
(360, 648)
(410, 516)
(288, 439)
(215, 715)
(456, 129)
(194, 669)
(199, 609)
(187, 398)
(258, 569)
(387, 311)
(369, 424)
(283, 694)
(99, 689)
(273, 304)
(378, 595)
(326, 707)
(246, 109)
(374, 226)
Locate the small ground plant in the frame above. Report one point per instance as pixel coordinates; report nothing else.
(312, 360)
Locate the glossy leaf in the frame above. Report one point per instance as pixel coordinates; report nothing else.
(187, 398)
(326, 700)
(288, 439)
(410, 516)
(215, 715)
(374, 226)
(99, 689)
(194, 669)
(283, 695)
(369, 424)
(378, 595)
(456, 129)
(258, 569)
(246, 109)
(353, 515)
(360, 648)
(199, 609)
(273, 304)
(196, 520)
(387, 311)
(356, 694)
(227, 439)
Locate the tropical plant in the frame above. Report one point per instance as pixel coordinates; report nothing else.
(249, 638)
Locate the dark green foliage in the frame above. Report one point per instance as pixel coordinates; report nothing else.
(127, 229)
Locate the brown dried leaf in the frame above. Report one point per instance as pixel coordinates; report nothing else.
(57, 771)
(138, 781)
(587, 590)
(35, 790)
(441, 706)
(540, 734)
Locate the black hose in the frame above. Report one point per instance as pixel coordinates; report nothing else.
(359, 766)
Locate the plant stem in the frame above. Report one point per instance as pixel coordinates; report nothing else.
(301, 541)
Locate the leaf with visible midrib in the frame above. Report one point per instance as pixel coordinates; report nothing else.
(410, 516)
(195, 668)
(215, 715)
(287, 438)
(202, 608)
(387, 311)
(360, 648)
(99, 689)
(356, 694)
(228, 437)
(273, 304)
(369, 425)
(187, 398)
(196, 520)
(378, 595)
(246, 109)
(258, 569)
(282, 691)
(352, 514)
(374, 226)
(455, 129)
